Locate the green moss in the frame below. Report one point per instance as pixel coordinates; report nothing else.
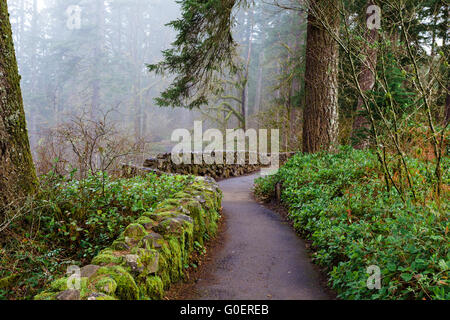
(8, 281)
(167, 205)
(86, 290)
(182, 195)
(166, 214)
(106, 298)
(147, 223)
(175, 226)
(120, 245)
(144, 220)
(46, 296)
(135, 231)
(171, 261)
(107, 257)
(19, 176)
(148, 260)
(59, 285)
(106, 285)
(200, 222)
(126, 286)
(154, 288)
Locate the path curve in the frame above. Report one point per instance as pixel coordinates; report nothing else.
(261, 256)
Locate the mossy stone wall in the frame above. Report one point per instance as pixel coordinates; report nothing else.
(151, 253)
(164, 163)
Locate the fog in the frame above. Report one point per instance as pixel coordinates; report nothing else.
(90, 56)
(83, 59)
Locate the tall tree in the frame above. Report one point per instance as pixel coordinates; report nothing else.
(320, 127)
(17, 173)
(366, 81)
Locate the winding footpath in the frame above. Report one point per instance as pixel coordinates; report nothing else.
(261, 256)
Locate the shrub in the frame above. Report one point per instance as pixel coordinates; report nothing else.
(70, 221)
(340, 202)
(90, 145)
(89, 214)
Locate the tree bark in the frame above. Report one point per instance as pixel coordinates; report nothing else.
(260, 82)
(17, 173)
(447, 108)
(320, 127)
(361, 125)
(244, 96)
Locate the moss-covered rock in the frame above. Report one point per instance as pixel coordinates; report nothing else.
(152, 252)
(105, 284)
(126, 286)
(154, 288)
(46, 295)
(147, 223)
(108, 257)
(59, 285)
(105, 298)
(152, 241)
(175, 226)
(135, 231)
(148, 259)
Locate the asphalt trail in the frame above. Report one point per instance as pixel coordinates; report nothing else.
(261, 256)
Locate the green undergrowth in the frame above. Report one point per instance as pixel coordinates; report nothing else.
(70, 221)
(152, 252)
(340, 202)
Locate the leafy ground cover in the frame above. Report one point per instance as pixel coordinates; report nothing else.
(69, 222)
(340, 202)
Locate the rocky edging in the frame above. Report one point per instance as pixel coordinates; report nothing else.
(164, 163)
(151, 253)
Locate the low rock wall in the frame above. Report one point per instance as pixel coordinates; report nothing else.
(151, 253)
(164, 163)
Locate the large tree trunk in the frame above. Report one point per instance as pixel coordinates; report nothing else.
(320, 127)
(361, 125)
(17, 174)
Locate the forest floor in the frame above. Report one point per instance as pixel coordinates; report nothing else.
(257, 256)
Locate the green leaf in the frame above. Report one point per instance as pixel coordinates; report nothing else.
(406, 276)
(392, 267)
(443, 265)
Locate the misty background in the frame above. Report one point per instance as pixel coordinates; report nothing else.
(71, 75)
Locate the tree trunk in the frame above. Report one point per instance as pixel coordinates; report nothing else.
(320, 128)
(260, 81)
(361, 125)
(447, 108)
(244, 96)
(17, 174)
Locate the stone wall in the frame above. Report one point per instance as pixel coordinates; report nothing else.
(164, 163)
(151, 253)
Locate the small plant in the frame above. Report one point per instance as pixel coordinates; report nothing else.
(340, 202)
(199, 247)
(71, 220)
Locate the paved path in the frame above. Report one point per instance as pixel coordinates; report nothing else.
(261, 256)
